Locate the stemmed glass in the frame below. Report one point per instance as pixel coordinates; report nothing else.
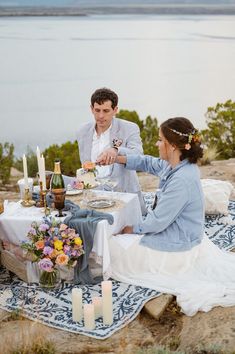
(111, 182)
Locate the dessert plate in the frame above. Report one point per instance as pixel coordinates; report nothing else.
(100, 203)
(74, 191)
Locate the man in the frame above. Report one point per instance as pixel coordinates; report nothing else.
(107, 137)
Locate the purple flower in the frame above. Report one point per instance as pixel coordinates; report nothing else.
(47, 250)
(43, 227)
(46, 264)
(67, 249)
(32, 231)
(74, 253)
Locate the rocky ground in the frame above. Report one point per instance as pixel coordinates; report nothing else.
(159, 323)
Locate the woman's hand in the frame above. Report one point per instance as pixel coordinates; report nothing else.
(127, 230)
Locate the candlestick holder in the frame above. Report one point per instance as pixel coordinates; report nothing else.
(42, 197)
(46, 209)
(27, 202)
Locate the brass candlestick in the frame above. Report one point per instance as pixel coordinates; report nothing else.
(46, 209)
(42, 194)
(27, 202)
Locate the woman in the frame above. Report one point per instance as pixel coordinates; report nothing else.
(169, 251)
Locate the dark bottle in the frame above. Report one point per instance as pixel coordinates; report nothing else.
(57, 188)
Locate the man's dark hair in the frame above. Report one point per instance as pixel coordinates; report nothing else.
(104, 94)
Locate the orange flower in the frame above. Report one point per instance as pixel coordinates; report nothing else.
(88, 165)
(54, 254)
(39, 245)
(62, 259)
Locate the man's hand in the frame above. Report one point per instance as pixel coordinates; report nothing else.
(107, 157)
(127, 230)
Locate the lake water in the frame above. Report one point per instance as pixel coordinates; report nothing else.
(161, 66)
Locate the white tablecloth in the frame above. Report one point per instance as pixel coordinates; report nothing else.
(16, 220)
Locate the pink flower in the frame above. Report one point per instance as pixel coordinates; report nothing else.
(63, 227)
(187, 146)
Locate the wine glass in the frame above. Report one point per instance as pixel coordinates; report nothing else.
(112, 183)
(101, 181)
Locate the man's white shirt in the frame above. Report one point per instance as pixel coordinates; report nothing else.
(99, 144)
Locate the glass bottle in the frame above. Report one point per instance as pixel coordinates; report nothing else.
(57, 188)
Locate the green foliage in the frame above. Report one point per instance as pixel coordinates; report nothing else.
(6, 161)
(148, 130)
(149, 136)
(131, 116)
(68, 155)
(209, 154)
(221, 129)
(32, 163)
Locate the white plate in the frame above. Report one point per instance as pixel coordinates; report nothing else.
(101, 203)
(74, 191)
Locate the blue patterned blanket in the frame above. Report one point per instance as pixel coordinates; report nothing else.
(53, 308)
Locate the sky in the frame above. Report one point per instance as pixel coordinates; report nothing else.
(105, 2)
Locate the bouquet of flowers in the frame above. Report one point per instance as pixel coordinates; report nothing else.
(52, 244)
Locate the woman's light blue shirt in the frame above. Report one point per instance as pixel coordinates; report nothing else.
(177, 222)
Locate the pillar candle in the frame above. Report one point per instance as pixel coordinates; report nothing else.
(77, 304)
(26, 183)
(89, 316)
(43, 171)
(107, 302)
(97, 302)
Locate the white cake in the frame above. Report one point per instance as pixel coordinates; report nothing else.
(86, 177)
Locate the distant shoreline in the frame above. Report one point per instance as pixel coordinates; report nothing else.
(119, 10)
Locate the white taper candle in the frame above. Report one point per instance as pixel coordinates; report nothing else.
(25, 169)
(43, 173)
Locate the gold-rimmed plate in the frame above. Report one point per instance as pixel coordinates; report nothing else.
(100, 203)
(74, 191)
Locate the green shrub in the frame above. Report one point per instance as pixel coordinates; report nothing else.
(148, 130)
(209, 154)
(221, 129)
(68, 155)
(6, 161)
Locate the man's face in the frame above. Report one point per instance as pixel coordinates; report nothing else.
(103, 114)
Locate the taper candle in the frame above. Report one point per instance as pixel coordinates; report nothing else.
(97, 302)
(89, 316)
(77, 304)
(26, 183)
(107, 302)
(39, 164)
(43, 173)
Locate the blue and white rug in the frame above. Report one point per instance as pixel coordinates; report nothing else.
(54, 308)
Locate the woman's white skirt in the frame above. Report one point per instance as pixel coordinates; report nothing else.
(201, 278)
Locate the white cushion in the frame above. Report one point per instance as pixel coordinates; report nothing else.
(217, 195)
